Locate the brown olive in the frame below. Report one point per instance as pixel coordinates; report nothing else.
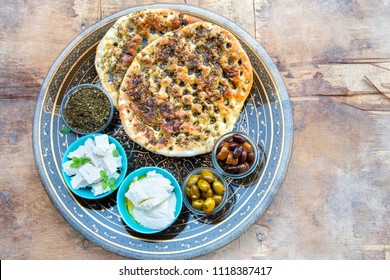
(230, 169)
(198, 204)
(229, 139)
(203, 185)
(217, 198)
(193, 180)
(208, 205)
(238, 138)
(251, 157)
(195, 192)
(207, 175)
(243, 157)
(218, 187)
(242, 167)
(237, 152)
(233, 145)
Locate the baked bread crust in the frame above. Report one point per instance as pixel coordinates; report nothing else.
(129, 35)
(185, 89)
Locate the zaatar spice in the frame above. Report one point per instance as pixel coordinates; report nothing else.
(87, 109)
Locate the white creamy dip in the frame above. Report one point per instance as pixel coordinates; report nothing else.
(153, 199)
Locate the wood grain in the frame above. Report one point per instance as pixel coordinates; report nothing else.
(335, 200)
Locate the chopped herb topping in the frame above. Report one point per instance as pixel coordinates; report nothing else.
(87, 110)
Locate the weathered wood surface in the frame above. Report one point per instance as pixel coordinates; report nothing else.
(334, 57)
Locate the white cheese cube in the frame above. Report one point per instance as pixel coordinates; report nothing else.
(97, 188)
(70, 171)
(78, 182)
(102, 141)
(115, 175)
(96, 160)
(79, 152)
(99, 151)
(90, 173)
(89, 144)
(110, 164)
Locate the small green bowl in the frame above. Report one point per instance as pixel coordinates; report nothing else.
(86, 192)
(121, 198)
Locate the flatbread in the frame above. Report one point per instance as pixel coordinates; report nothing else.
(129, 35)
(185, 89)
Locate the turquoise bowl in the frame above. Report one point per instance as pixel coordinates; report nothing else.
(86, 192)
(121, 198)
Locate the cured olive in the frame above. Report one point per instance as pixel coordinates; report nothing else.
(239, 138)
(208, 205)
(209, 193)
(207, 175)
(188, 191)
(195, 192)
(203, 185)
(251, 157)
(243, 157)
(242, 167)
(237, 152)
(217, 198)
(230, 169)
(218, 187)
(198, 204)
(193, 180)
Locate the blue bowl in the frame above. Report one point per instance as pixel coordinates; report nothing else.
(121, 199)
(86, 192)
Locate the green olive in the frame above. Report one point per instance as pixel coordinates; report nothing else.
(198, 204)
(188, 191)
(193, 180)
(207, 175)
(195, 192)
(208, 205)
(218, 187)
(217, 198)
(203, 185)
(209, 193)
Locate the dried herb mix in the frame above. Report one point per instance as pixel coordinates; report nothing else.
(87, 109)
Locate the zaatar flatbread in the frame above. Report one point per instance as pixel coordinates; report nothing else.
(129, 35)
(185, 89)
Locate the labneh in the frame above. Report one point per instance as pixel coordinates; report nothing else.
(153, 201)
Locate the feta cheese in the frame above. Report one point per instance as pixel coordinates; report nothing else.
(90, 173)
(110, 164)
(95, 159)
(97, 188)
(70, 171)
(78, 182)
(89, 144)
(79, 152)
(100, 154)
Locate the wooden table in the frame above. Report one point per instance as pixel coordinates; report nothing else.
(334, 57)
